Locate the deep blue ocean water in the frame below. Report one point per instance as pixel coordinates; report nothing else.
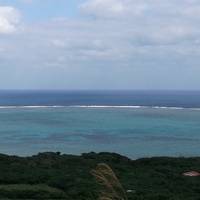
(132, 123)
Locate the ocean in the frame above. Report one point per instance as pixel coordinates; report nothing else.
(133, 123)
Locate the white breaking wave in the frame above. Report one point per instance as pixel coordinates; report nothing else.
(99, 106)
(173, 108)
(134, 107)
(12, 107)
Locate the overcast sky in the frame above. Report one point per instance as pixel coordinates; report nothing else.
(100, 44)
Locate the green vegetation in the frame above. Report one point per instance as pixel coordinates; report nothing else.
(55, 176)
(30, 191)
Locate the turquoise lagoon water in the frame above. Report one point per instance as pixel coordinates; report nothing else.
(130, 129)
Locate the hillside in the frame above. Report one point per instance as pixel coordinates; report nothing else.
(56, 176)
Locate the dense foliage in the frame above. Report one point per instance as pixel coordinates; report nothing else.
(55, 176)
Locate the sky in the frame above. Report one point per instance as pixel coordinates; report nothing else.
(100, 44)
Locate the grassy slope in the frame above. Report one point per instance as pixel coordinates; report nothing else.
(31, 191)
(53, 176)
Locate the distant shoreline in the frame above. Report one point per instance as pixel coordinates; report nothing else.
(58, 153)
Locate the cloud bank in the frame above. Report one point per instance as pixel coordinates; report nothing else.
(132, 44)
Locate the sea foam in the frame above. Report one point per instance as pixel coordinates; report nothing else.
(99, 106)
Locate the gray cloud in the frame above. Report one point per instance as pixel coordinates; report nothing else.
(129, 44)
